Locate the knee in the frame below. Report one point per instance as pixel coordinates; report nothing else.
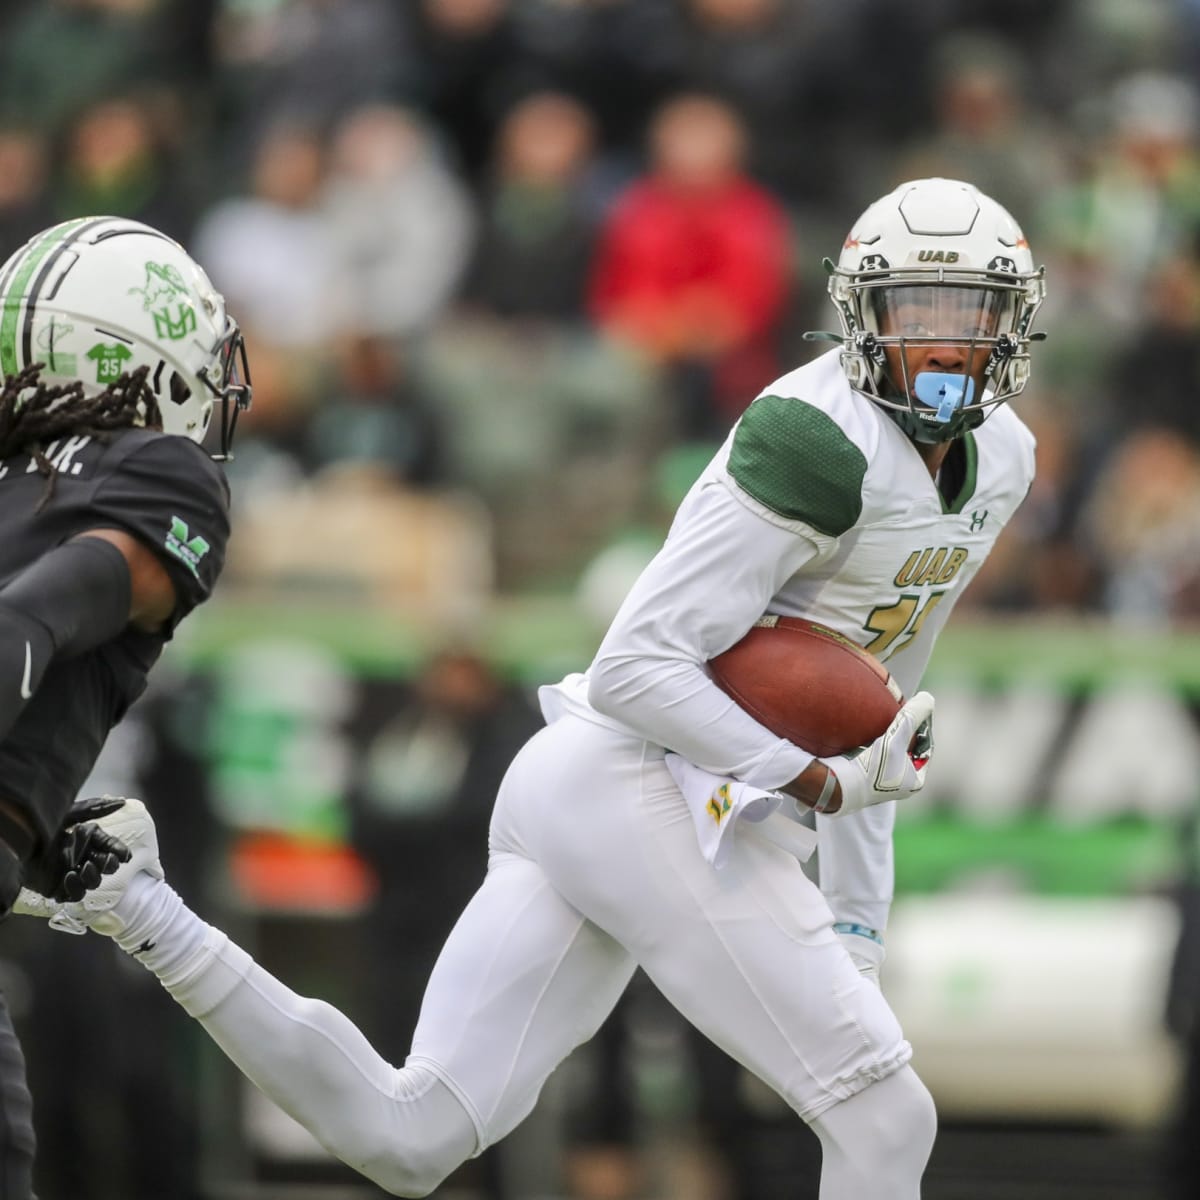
(414, 1176)
(877, 1142)
(914, 1126)
(408, 1168)
(896, 1115)
(428, 1135)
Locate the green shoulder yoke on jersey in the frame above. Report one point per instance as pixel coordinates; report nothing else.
(798, 462)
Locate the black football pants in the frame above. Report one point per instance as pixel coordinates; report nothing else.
(16, 1115)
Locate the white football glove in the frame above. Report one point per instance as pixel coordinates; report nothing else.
(891, 767)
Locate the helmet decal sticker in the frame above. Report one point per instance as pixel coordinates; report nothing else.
(61, 362)
(109, 358)
(164, 287)
(21, 283)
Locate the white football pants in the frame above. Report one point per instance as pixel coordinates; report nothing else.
(594, 868)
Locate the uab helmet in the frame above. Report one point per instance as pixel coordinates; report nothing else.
(936, 262)
(97, 297)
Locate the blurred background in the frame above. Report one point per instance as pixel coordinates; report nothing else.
(509, 270)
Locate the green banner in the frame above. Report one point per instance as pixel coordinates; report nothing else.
(1067, 762)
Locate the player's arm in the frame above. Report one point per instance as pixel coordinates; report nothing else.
(152, 595)
(714, 577)
(773, 505)
(74, 598)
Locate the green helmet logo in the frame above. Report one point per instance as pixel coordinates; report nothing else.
(165, 287)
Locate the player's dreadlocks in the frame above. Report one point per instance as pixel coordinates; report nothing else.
(33, 414)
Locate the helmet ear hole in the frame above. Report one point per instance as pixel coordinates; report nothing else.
(169, 403)
(178, 389)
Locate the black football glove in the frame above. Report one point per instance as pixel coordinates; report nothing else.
(80, 854)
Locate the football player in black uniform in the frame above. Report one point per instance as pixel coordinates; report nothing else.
(115, 349)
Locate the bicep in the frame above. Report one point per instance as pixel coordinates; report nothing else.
(152, 596)
(711, 581)
(713, 578)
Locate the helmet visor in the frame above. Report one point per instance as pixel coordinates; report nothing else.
(939, 312)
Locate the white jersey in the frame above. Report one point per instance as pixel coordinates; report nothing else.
(817, 505)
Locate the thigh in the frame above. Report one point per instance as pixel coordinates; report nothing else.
(747, 953)
(522, 980)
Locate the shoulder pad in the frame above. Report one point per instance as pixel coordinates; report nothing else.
(797, 461)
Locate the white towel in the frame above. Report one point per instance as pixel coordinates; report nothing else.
(719, 804)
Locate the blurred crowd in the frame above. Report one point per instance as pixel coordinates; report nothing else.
(523, 262)
(509, 270)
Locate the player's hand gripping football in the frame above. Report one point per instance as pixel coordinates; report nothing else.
(80, 855)
(894, 765)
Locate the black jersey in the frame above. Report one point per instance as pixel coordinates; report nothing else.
(166, 492)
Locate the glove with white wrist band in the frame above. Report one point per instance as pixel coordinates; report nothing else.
(891, 768)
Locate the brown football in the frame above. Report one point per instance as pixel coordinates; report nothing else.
(809, 684)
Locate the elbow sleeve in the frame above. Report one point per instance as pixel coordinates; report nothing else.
(78, 592)
(72, 599)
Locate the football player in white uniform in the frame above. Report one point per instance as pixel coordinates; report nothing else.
(864, 491)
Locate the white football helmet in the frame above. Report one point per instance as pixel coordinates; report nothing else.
(97, 297)
(942, 249)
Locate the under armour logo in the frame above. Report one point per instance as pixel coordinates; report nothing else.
(977, 519)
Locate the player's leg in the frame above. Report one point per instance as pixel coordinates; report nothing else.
(746, 953)
(877, 1142)
(522, 979)
(16, 1116)
(397, 1127)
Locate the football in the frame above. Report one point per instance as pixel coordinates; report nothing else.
(809, 684)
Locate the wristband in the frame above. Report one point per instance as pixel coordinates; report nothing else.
(830, 786)
(858, 930)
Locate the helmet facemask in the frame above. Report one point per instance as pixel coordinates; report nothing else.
(227, 379)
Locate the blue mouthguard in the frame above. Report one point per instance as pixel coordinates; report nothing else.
(943, 391)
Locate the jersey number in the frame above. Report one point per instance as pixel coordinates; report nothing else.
(903, 617)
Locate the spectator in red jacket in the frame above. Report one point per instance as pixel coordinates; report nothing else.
(694, 265)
